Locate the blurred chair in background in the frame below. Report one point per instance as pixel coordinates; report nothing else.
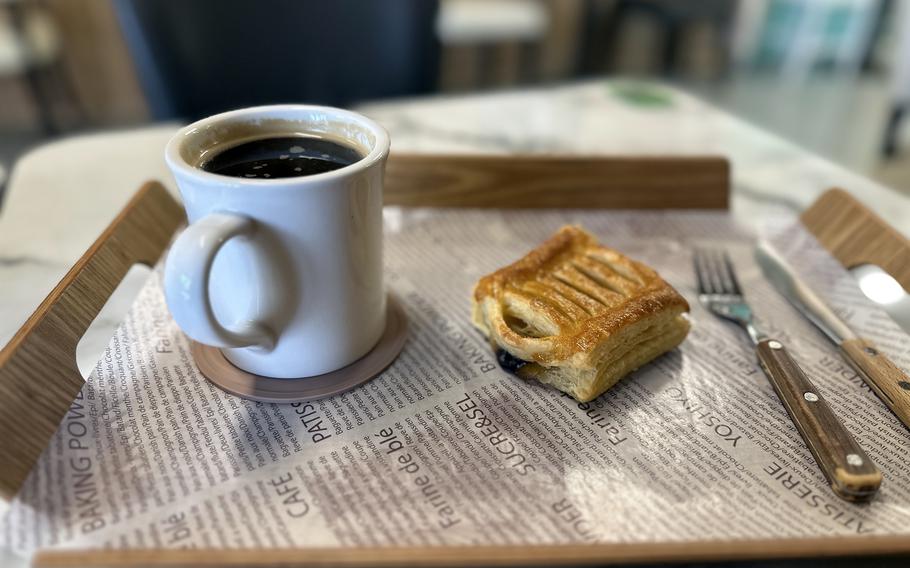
(30, 48)
(30, 51)
(603, 47)
(900, 86)
(490, 42)
(199, 58)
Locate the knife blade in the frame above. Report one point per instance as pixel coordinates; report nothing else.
(884, 377)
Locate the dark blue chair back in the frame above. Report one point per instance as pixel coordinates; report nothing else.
(199, 57)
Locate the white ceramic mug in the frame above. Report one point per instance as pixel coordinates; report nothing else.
(285, 275)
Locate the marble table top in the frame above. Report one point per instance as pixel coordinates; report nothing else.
(62, 195)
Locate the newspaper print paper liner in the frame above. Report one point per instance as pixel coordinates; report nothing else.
(445, 448)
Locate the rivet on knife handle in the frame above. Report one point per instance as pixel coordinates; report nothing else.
(849, 470)
(890, 383)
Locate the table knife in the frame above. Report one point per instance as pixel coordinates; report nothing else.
(884, 377)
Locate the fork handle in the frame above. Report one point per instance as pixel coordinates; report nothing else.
(849, 470)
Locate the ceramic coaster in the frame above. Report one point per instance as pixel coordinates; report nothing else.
(216, 368)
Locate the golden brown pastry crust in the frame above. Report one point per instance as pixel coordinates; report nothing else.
(583, 313)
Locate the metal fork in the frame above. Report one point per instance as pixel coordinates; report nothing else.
(849, 470)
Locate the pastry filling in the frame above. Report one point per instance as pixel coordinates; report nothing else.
(509, 362)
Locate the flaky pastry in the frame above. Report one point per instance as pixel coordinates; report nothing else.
(577, 315)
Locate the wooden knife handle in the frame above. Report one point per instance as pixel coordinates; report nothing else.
(849, 470)
(890, 383)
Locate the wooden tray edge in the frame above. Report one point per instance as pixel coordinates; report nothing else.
(460, 556)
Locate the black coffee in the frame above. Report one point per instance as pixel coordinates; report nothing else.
(281, 157)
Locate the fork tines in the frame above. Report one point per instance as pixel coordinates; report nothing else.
(714, 273)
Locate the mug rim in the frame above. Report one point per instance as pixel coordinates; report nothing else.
(177, 162)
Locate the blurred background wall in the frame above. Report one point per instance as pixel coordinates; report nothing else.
(833, 75)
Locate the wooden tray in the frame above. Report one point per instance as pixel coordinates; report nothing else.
(39, 377)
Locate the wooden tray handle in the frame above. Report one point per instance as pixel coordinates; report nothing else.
(855, 235)
(39, 378)
(534, 182)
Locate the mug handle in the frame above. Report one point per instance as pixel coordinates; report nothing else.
(186, 283)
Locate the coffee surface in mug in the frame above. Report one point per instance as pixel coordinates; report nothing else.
(281, 157)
